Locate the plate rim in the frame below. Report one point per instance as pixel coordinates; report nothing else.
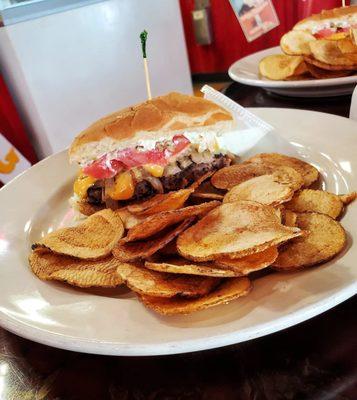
(93, 346)
(313, 83)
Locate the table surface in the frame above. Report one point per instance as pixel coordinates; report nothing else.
(316, 360)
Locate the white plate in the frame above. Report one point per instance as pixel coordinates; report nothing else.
(246, 71)
(116, 323)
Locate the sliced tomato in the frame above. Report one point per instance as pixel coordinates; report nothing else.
(323, 33)
(105, 168)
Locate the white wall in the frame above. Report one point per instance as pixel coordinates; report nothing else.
(66, 70)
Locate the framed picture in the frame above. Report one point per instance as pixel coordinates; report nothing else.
(256, 17)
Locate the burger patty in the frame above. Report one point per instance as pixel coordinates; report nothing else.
(180, 180)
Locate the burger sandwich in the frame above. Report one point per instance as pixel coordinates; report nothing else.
(162, 145)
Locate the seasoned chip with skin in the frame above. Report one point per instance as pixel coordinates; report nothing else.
(147, 282)
(326, 239)
(289, 217)
(157, 222)
(309, 173)
(129, 220)
(177, 265)
(77, 272)
(329, 67)
(233, 175)
(280, 66)
(297, 42)
(248, 264)
(235, 230)
(318, 201)
(229, 290)
(94, 238)
(348, 198)
(161, 202)
(272, 189)
(143, 249)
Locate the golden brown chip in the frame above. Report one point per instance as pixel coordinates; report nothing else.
(83, 273)
(320, 73)
(233, 175)
(309, 173)
(157, 222)
(93, 238)
(329, 52)
(348, 198)
(208, 196)
(248, 264)
(161, 202)
(318, 201)
(347, 46)
(235, 229)
(289, 218)
(326, 239)
(329, 67)
(86, 208)
(145, 281)
(129, 220)
(272, 189)
(296, 42)
(279, 66)
(144, 249)
(227, 291)
(177, 265)
(170, 249)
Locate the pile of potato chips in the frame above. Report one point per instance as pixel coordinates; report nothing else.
(309, 58)
(199, 247)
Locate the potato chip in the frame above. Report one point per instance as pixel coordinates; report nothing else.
(318, 201)
(347, 46)
(145, 281)
(177, 265)
(235, 229)
(248, 264)
(348, 198)
(326, 239)
(157, 222)
(201, 180)
(93, 238)
(320, 73)
(86, 208)
(161, 202)
(272, 189)
(279, 66)
(129, 220)
(170, 249)
(329, 67)
(309, 173)
(228, 177)
(77, 272)
(296, 43)
(227, 291)
(328, 51)
(144, 249)
(207, 191)
(289, 218)
(208, 196)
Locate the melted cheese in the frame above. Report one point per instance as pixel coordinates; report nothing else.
(123, 187)
(82, 184)
(155, 170)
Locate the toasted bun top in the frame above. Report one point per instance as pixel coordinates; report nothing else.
(156, 119)
(336, 14)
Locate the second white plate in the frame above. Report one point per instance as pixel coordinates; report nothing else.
(246, 71)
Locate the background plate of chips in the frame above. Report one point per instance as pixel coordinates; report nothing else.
(112, 321)
(246, 71)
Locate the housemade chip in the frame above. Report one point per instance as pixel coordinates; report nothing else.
(93, 238)
(248, 264)
(77, 272)
(161, 202)
(129, 220)
(177, 265)
(348, 198)
(318, 201)
(326, 239)
(132, 251)
(309, 173)
(272, 189)
(235, 229)
(145, 281)
(157, 222)
(329, 52)
(329, 67)
(320, 73)
(296, 42)
(227, 291)
(289, 217)
(233, 175)
(280, 66)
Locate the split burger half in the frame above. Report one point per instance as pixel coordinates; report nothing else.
(161, 145)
